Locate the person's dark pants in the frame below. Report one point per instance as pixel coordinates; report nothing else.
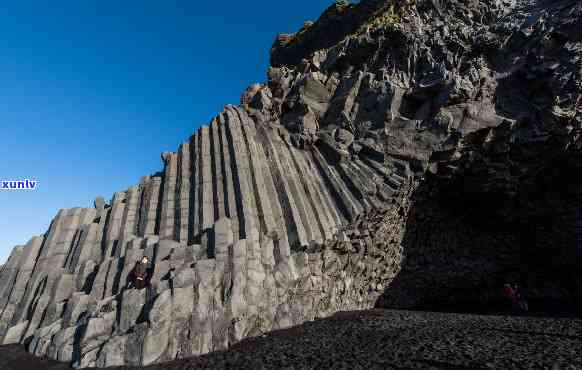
(139, 284)
(523, 306)
(514, 308)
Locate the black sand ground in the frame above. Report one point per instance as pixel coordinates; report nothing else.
(386, 339)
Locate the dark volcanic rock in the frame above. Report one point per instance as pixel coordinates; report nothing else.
(381, 339)
(15, 357)
(401, 154)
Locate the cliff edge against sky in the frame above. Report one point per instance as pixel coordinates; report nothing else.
(401, 154)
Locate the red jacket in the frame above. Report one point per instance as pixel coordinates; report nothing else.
(509, 293)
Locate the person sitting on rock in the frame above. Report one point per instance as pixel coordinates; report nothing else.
(139, 273)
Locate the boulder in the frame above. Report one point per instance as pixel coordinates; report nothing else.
(100, 204)
(132, 305)
(15, 333)
(157, 338)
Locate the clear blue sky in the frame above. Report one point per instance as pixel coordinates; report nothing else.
(91, 92)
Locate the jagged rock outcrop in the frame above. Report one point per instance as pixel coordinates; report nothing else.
(419, 153)
(235, 228)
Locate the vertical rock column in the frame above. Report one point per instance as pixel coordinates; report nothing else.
(149, 205)
(222, 276)
(255, 281)
(9, 272)
(51, 284)
(205, 181)
(267, 206)
(340, 192)
(114, 224)
(38, 280)
(335, 212)
(237, 305)
(322, 208)
(7, 281)
(247, 212)
(300, 191)
(294, 226)
(230, 199)
(210, 287)
(183, 194)
(63, 284)
(130, 218)
(10, 312)
(74, 219)
(168, 213)
(193, 216)
(269, 189)
(86, 255)
(217, 172)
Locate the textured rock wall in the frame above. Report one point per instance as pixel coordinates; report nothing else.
(481, 102)
(500, 201)
(238, 228)
(458, 253)
(422, 154)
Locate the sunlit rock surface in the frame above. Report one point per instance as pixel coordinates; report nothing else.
(420, 153)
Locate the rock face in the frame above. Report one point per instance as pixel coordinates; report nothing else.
(421, 153)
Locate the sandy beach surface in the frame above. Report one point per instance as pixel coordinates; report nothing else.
(386, 339)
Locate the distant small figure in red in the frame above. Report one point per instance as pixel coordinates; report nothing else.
(509, 293)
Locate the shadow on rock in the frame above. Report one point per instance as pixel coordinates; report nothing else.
(468, 233)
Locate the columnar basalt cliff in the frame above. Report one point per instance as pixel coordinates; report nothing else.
(401, 154)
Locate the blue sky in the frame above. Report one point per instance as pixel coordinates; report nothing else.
(91, 92)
